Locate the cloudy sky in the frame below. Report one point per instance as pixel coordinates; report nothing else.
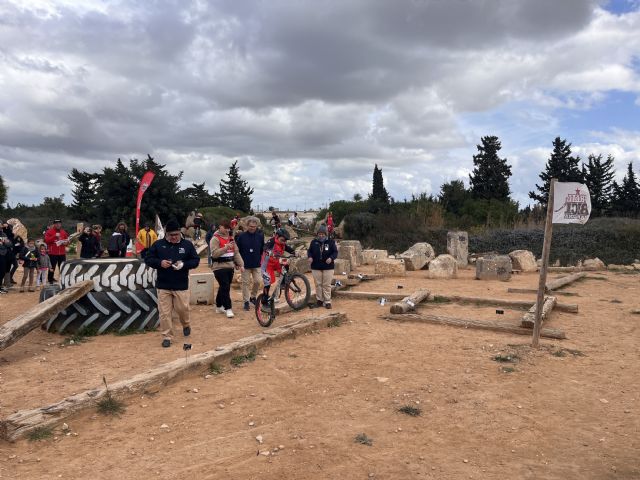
(309, 95)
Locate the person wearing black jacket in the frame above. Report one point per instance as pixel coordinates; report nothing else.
(321, 254)
(29, 259)
(251, 245)
(90, 244)
(173, 257)
(18, 246)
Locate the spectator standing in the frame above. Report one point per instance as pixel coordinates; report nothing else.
(294, 220)
(275, 220)
(207, 238)
(6, 249)
(251, 245)
(29, 260)
(56, 239)
(44, 265)
(330, 226)
(147, 237)
(97, 231)
(224, 255)
(90, 246)
(118, 242)
(173, 257)
(18, 246)
(322, 253)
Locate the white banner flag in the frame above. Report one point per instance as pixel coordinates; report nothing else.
(571, 203)
(159, 228)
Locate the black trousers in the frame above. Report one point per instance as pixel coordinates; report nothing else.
(56, 261)
(224, 276)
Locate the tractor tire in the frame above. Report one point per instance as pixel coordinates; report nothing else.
(124, 297)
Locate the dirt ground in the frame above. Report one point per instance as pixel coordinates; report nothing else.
(568, 410)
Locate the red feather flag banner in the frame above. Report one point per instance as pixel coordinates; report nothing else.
(147, 178)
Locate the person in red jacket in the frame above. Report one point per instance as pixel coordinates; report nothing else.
(56, 239)
(270, 264)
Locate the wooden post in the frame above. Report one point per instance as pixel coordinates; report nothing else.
(15, 329)
(546, 246)
(409, 303)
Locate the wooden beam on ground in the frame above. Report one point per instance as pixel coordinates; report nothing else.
(478, 324)
(498, 302)
(533, 290)
(564, 269)
(365, 276)
(529, 319)
(408, 304)
(15, 329)
(20, 423)
(552, 285)
(368, 295)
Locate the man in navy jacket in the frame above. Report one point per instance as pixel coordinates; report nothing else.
(321, 254)
(250, 245)
(173, 257)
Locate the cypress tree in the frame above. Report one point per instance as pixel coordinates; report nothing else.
(234, 191)
(490, 177)
(562, 166)
(598, 176)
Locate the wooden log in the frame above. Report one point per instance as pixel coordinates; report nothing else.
(479, 324)
(365, 276)
(20, 423)
(532, 290)
(552, 285)
(564, 269)
(368, 295)
(408, 304)
(15, 329)
(529, 318)
(499, 302)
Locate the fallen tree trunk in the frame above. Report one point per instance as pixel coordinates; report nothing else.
(18, 424)
(408, 304)
(529, 318)
(478, 324)
(563, 281)
(15, 329)
(368, 295)
(534, 291)
(499, 302)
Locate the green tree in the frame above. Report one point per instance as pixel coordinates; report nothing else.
(84, 193)
(357, 197)
(490, 177)
(116, 196)
(626, 199)
(197, 196)
(379, 193)
(453, 196)
(598, 176)
(3, 193)
(562, 166)
(234, 191)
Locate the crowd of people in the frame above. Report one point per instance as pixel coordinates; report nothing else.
(231, 248)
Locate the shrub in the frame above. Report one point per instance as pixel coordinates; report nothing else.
(217, 214)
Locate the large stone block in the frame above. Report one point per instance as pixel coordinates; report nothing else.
(358, 247)
(390, 267)
(348, 252)
(201, 289)
(299, 264)
(496, 267)
(417, 257)
(369, 257)
(592, 264)
(341, 266)
(458, 247)
(523, 260)
(443, 266)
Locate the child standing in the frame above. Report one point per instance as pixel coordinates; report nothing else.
(44, 265)
(29, 260)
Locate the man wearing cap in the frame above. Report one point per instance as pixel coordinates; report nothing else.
(56, 239)
(173, 257)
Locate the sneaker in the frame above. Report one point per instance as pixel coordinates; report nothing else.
(32, 289)
(246, 306)
(166, 343)
(252, 300)
(319, 303)
(186, 331)
(219, 309)
(22, 290)
(3, 291)
(230, 313)
(327, 306)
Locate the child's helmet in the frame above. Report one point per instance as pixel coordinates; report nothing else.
(281, 232)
